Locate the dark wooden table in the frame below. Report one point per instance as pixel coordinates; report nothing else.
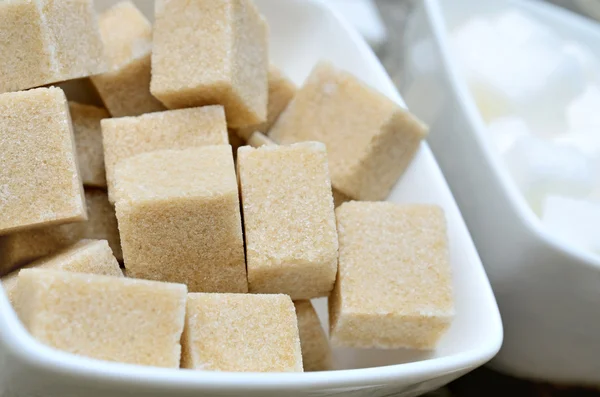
(481, 382)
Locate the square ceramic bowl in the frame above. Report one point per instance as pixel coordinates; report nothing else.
(302, 32)
(548, 291)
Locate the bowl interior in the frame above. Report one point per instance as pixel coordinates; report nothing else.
(303, 32)
(317, 35)
(568, 25)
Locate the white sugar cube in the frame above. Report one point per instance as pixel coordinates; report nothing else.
(560, 79)
(512, 66)
(535, 82)
(585, 57)
(583, 112)
(469, 39)
(475, 46)
(574, 221)
(521, 29)
(586, 141)
(539, 66)
(542, 168)
(506, 131)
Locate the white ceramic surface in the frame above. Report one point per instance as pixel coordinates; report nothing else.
(548, 292)
(364, 16)
(302, 32)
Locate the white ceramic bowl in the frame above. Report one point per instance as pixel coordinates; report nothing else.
(548, 292)
(302, 32)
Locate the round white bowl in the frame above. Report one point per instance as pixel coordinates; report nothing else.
(548, 291)
(302, 32)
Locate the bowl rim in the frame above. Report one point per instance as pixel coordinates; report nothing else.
(465, 102)
(17, 341)
(59, 363)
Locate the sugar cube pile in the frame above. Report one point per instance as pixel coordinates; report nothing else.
(369, 133)
(539, 93)
(125, 137)
(182, 212)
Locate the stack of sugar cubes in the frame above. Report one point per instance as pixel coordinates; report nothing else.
(130, 231)
(540, 97)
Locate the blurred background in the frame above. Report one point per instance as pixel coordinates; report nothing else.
(382, 22)
(393, 15)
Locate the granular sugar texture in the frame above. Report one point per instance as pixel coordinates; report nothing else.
(394, 284)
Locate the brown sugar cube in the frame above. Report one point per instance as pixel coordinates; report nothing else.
(46, 41)
(258, 139)
(125, 91)
(175, 129)
(370, 139)
(127, 38)
(211, 52)
(281, 92)
(179, 218)
(85, 256)
(102, 317)
(316, 351)
(102, 222)
(289, 221)
(25, 246)
(88, 141)
(39, 180)
(394, 284)
(22, 247)
(241, 333)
